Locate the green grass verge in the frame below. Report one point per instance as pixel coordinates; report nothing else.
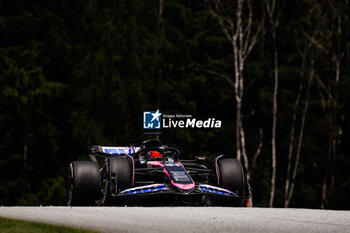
(19, 226)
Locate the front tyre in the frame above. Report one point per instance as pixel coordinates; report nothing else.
(83, 183)
(117, 176)
(231, 176)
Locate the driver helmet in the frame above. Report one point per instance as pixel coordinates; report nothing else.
(154, 155)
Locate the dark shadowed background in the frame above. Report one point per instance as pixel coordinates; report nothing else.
(75, 73)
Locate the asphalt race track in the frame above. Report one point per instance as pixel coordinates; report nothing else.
(186, 219)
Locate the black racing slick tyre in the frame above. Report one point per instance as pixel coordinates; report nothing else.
(117, 176)
(231, 176)
(83, 183)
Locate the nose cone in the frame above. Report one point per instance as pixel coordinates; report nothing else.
(184, 188)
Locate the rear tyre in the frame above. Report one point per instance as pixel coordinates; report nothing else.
(83, 185)
(231, 176)
(117, 176)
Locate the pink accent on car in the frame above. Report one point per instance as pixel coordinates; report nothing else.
(216, 168)
(180, 186)
(183, 186)
(155, 164)
(167, 173)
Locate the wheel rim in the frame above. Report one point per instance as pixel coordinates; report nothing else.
(69, 188)
(104, 185)
(104, 192)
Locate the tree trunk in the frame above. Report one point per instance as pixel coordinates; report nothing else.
(274, 21)
(242, 40)
(290, 149)
(292, 134)
(274, 120)
(324, 200)
(301, 133)
(237, 52)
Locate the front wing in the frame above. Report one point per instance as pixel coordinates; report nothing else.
(200, 189)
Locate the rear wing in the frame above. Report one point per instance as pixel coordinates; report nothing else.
(113, 150)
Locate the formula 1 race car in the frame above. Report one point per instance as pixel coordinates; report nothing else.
(153, 174)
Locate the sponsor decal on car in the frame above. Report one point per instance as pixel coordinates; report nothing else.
(180, 176)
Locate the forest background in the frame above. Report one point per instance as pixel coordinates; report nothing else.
(74, 73)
